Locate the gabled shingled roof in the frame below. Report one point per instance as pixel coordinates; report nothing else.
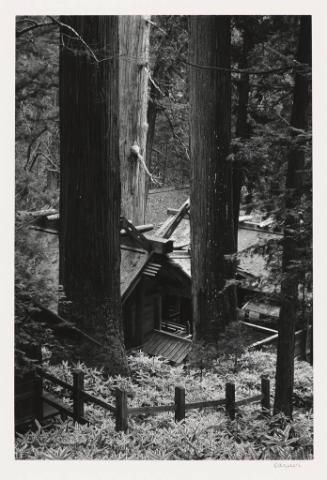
(177, 228)
(132, 263)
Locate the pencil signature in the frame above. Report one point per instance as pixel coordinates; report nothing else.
(287, 465)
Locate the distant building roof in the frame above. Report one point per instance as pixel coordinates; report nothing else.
(248, 236)
(132, 262)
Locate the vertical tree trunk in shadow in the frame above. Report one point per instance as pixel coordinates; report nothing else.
(291, 246)
(210, 99)
(90, 186)
(152, 118)
(242, 127)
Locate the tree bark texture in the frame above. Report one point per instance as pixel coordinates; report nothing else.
(291, 247)
(134, 33)
(153, 109)
(152, 118)
(242, 127)
(211, 212)
(90, 185)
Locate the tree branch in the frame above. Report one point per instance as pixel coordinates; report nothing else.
(19, 33)
(177, 137)
(46, 157)
(71, 29)
(29, 150)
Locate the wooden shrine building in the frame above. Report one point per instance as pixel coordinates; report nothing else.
(156, 282)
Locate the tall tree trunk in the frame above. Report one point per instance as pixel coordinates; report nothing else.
(291, 250)
(90, 186)
(210, 99)
(152, 118)
(134, 33)
(242, 127)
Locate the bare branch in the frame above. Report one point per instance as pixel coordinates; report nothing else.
(291, 127)
(158, 152)
(29, 150)
(154, 24)
(175, 135)
(26, 20)
(88, 48)
(83, 42)
(46, 157)
(19, 33)
(156, 86)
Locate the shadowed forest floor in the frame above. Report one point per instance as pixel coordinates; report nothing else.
(204, 434)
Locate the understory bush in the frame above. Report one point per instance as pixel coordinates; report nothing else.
(204, 434)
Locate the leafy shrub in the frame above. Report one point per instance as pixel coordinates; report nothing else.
(204, 434)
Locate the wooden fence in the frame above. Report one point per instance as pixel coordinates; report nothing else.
(122, 412)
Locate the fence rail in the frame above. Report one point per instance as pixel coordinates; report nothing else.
(122, 412)
(205, 404)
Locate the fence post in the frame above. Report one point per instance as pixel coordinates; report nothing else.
(38, 398)
(78, 402)
(121, 410)
(230, 400)
(179, 404)
(265, 391)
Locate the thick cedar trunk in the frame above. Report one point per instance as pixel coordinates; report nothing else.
(289, 287)
(242, 127)
(211, 231)
(90, 186)
(134, 40)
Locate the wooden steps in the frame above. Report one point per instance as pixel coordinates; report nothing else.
(167, 345)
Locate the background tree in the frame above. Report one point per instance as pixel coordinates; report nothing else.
(90, 183)
(134, 34)
(168, 133)
(37, 115)
(294, 245)
(210, 101)
(242, 129)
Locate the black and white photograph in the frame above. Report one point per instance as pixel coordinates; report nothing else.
(163, 238)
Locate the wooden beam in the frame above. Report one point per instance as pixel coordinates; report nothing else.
(78, 387)
(265, 391)
(155, 244)
(140, 228)
(173, 211)
(153, 191)
(265, 341)
(179, 404)
(230, 400)
(161, 245)
(37, 213)
(54, 320)
(45, 230)
(182, 339)
(259, 327)
(168, 228)
(121, 410)
(131, 249)
(132, 231)
(151, 410)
